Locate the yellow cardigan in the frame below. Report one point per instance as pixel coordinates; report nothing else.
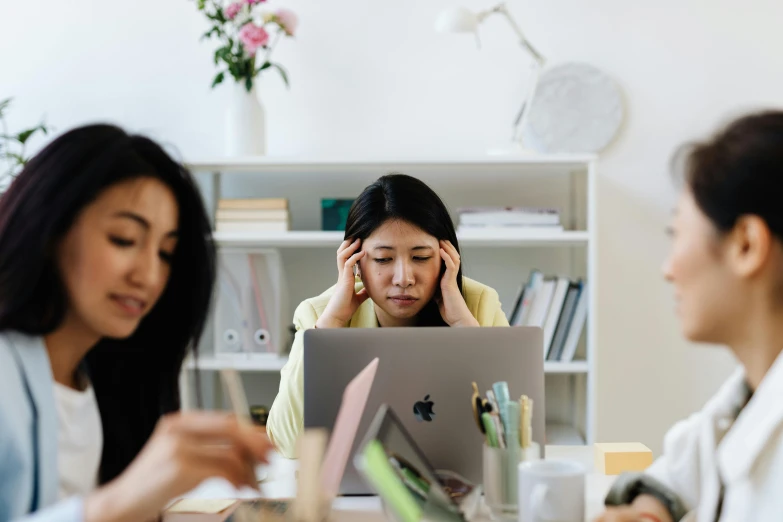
(286, 417)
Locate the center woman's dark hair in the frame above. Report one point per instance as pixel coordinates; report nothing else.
(135, 379)
(739, 171)
(401, 197)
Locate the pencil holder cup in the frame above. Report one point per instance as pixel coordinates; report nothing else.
(500, 478)
(500, 481)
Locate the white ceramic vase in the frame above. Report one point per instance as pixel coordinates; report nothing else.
(245, 123)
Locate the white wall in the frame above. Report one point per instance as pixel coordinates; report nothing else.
(373, 77)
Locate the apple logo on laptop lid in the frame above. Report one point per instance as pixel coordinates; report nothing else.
(424, 410)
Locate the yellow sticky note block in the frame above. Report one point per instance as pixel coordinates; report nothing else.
(201, 505)
(616, 458)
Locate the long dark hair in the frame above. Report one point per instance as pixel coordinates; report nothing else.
(135, 379)
(405, 198)
(739, 171)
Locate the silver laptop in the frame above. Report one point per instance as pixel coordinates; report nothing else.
(424, 368)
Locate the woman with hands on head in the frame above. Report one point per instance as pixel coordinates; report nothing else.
(398, 266)
(106, 273)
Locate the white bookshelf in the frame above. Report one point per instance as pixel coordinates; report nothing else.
(566, 368)
(563, 435)
(499, 258)
(255, 165)
(488, 237)
(270, 364)
(276, 363)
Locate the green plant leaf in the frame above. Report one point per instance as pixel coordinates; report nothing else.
(283, 74)
(218, 79)
(234, 70)
(17, 157)
(23, 136)
(265, 65)
(249, 83)
(4, 105)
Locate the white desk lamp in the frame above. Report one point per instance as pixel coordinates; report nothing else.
(462, 20)
(571, 108)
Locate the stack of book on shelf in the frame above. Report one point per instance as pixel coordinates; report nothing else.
(504, 218)
(559, 306)
(252, 215)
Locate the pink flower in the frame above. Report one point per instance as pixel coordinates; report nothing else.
(287, 20)
(252, 37)
(233, 10)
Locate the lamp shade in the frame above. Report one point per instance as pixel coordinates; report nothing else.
(457, 20)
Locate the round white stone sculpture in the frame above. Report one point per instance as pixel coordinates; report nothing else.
(576, 108)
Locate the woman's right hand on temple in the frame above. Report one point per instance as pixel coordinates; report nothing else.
(345, 300)
(184, 450)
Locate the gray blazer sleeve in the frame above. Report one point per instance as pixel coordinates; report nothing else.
(70, 510)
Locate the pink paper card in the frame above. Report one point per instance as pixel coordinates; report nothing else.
(345, 427)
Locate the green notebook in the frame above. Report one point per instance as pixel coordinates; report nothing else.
(386, 482)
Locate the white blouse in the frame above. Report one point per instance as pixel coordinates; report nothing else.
(79, 440)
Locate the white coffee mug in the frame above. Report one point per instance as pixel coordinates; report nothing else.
(551, 491)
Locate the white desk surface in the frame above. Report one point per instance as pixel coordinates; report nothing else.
(281, 483)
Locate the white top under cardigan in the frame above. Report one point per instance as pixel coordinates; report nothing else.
(79, 440)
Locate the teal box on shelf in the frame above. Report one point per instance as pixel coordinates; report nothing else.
(334, 213)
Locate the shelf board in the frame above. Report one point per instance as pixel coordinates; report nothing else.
(488, 237)
(572, 367)
(287, 164)
(563, 435)
(527, 237)
(275, 363)
(270, 364)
